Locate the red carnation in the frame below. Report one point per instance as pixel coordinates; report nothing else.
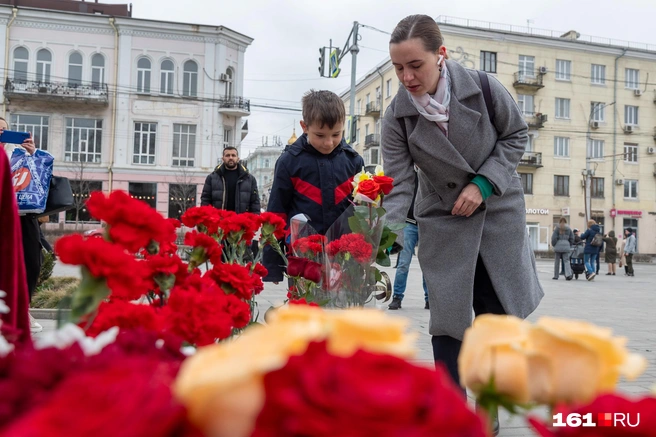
(204, 247)
(232, 278)
(125, 315)
(385, 183)
(357, 246)
(318, 394)
(369, 188)
(200, 215)
(240, 227)
(272, 224)
(302, 301)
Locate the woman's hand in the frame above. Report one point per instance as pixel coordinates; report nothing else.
(28, 145)
(470, 198)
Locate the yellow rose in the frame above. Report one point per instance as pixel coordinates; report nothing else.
(221, 385)
(555, 360)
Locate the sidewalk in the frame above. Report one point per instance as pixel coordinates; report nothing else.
(625, 304)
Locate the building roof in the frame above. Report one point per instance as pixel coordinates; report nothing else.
(293, 138)
(82, 7)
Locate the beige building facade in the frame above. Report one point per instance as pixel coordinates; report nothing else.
(586, 100)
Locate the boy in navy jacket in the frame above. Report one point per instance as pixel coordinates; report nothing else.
(314, 175)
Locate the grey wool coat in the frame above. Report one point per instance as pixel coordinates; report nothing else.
(449, 245)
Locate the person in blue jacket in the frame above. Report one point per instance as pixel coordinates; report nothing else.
(314, 175)
(590, 253)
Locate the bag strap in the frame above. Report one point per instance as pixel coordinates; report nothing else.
(487, 95)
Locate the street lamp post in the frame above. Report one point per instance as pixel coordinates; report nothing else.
(588, 171)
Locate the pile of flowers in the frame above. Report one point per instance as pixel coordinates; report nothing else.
(337, 269)
(157, 290)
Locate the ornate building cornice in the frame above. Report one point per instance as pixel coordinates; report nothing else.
(63, 27)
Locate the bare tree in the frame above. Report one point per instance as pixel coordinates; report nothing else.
(82, 189)
(182, 194)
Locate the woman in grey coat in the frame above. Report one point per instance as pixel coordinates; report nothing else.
(474, 249)
(562, 241)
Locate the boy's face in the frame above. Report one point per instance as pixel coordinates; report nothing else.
(324, 139)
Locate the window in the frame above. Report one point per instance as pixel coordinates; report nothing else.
(181, 198)
(144, 191)
(525, 103)
(562, 108)
(227, 137)
(632, 78)
(358, 107)
(83, 140)
(167, 76)
(561, 146)
(389, 88)
(561, 185)
(357, 135)
(36, 124)
(527, 66)
(21, 58)
(489, 62)
(631, 115)
(596, 149)
(630, 153)
(366, 130)
(82, 189)
(597, 188)
(630, 223)
(143, 75)
(266, 163)
(190, 79)
(530, 143)
(75, 69)
(377, 94)
(228, 85)
(563, 70)
(527, 182)
(145, 136)
(598, 216)
(97, 70)
(43, 66)
(630, 189)
(598, 111)
(184, 145)
(367, 99)
(598, 74)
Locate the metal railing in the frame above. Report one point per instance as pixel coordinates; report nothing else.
(64, 90)
(528, 78)
(526, 30)
(531, 159)
(235, 102)
(372, 108)
(372, 140)
(535, 120)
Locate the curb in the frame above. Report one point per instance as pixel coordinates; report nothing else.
(47, 313)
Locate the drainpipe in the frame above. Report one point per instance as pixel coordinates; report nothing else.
(110, 167)
(4, 98)
(615, 130)
(382, 90)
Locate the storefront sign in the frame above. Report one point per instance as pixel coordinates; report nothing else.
(613, 213)
(534, 211)
(565, 211)
(629, 212)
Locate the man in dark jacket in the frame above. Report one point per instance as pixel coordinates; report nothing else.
(230, 186)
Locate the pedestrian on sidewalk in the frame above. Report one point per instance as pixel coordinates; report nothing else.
(410, 238)
(562, 241)
(591, 251)
(630, 248)
(610, 256)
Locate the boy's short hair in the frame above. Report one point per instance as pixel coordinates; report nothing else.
(323, 108)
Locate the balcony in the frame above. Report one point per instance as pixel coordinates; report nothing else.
(531, 81)
(535, 121)
(234, 106)
(372, 109)
(31, 90)
(371, 140)
(531, 159)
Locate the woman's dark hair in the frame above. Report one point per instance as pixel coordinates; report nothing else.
(418, 26)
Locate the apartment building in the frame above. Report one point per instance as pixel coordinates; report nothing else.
(590, 104)
(123, 103)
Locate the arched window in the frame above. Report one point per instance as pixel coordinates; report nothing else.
(228, 86)
(21, 58)
(143, 75)
(43, 65)
(97, 70)
(167, 77)
(75, 69)
(190, 79)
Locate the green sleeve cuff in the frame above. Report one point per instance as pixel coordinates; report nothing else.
(484, 185)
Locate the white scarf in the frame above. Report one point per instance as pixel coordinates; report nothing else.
(436, 108)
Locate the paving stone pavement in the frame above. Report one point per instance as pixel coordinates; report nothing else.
(625, 304)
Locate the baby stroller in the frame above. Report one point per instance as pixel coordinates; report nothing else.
(576, 260)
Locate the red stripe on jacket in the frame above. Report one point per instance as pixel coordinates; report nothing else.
(308, 190)
(343, 190)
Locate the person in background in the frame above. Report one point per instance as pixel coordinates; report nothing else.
(30, 231)
(562, 241)
(577, 237)
(610, 256)
(630, 248)
(590, 253)
(601, 250)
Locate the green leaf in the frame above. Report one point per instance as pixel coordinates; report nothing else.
(355, 224)
(88, 296)
(383, 259)
(396, 226)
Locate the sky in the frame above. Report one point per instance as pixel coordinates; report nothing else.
(282, 62)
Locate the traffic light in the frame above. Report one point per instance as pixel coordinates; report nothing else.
(322, 61)
(334, 63)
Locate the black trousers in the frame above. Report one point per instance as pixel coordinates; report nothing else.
(445, 348)
(31, 250)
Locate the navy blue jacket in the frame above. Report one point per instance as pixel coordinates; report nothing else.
(588, 236)
(311, 183)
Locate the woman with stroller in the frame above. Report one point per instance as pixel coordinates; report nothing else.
(611, 252)
(562, 241)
